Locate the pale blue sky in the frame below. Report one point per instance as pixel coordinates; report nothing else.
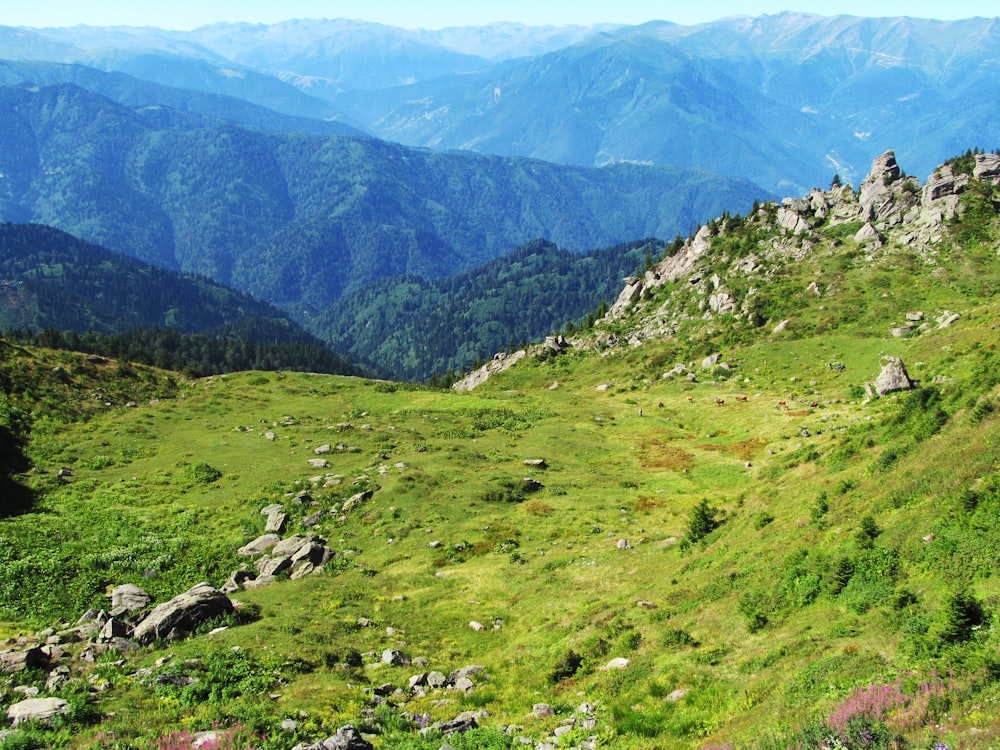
(434, 14)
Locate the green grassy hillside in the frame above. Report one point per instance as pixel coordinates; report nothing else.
(699, 574)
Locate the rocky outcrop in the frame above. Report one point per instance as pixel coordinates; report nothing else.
(501, 361)
(183, 613)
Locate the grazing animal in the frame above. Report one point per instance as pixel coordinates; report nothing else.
(719, 401)
(741, 398)
(690, 399)
(782, 405)
(813, 404)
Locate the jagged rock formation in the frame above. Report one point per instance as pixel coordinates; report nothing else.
(889, 211)
(889, 208)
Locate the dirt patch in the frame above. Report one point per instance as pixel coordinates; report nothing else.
(666, 458)
(744, 449)
(647, 503)
(802, 413)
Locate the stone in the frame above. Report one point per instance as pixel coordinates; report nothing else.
(290, 545)
(185, 611)
(18, 661)
(346, 738)
(259, 546)
(536, 463)
(477, 626)
(276, 522)
(395, 658)
(319, 463)
(259, 582)
(461, 723)
(867, 233)
(130, 597)
(321, 449)
(619, 663)
(436, 679)
(542, 710)
(893, 377)
(274, 566)
(37, 709)
(356, 500)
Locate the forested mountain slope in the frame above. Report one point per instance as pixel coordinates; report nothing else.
(298, 220)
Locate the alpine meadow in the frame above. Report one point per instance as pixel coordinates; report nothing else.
(546, 422)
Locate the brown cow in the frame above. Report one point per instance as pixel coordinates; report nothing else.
(719, 401)
(782, 405)
(741, 398)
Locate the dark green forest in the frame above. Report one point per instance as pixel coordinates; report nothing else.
(416, 329)
(60, 292)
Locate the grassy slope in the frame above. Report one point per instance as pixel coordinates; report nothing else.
(613, 474)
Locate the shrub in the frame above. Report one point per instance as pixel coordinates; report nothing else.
(959, 617)
(702, 521)
(565, 667)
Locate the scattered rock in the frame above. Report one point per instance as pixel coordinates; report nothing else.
(619, 663)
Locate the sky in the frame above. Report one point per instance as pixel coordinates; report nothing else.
(436, 14)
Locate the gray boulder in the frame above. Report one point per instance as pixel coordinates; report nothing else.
(346, 738)
(37, 709)
(184, 612)
(130, 597)
(893, 377)
(18, 661)
(259, 545)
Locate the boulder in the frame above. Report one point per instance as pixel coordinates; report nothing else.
(37, 709)
(893, 377)
(290, 546)
(129, 597)
(274, 566)
(346, 738)
(276, 522)
(395, 658)
(185, 612)
(461, 723)
(259, 546)
(355, 500)
(18, 661)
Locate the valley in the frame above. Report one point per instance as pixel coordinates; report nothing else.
(687, 525)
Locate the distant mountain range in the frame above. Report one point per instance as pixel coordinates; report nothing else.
(785, 100)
